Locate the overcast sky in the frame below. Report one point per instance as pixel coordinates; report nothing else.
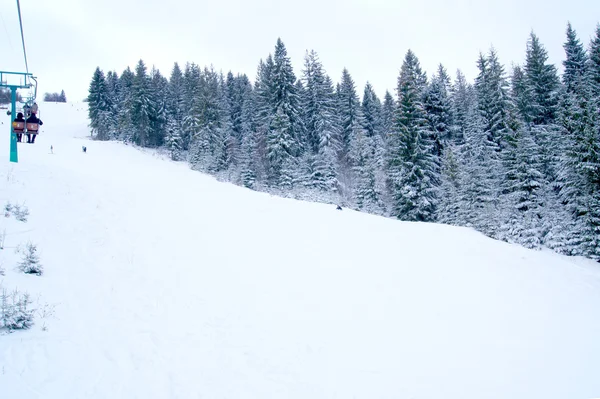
(67, 39)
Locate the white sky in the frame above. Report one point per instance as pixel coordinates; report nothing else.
(67, 39)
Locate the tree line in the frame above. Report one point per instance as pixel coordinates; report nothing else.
(56, 97)
(5, 95)
(514, 154)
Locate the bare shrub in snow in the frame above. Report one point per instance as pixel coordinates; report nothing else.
(44, 312)
(21, 212)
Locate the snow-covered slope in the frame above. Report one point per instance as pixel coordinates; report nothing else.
(168, 284)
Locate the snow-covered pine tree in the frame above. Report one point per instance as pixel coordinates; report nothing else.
(99, 106)
(324, 176)
(30, 264)
(280, 144)
(580, 173)
(177, 105)
(248, 174)
(523, 186)
(542, 97)
(333, 97)
(575, 62)
(492, 96)
(237, 88)
(351, 122)
(303, 142)
(593, 147)
(240, 110)
(374, 128)
(438, 110)
(306, 160)
(229, 144)
(284, 93)
(263, 115)
(159, 98)
(594, 63)
(173, 138)
(388, 115)
(176, 91)
(580, 166)
(518, 223)
(114, 94)
(497, 121)
(371, 111)
(542, 83)
(312, 99)
(249, 154)
(575, 97)
(367, 186)
(534, 92)
(480, 177)
(192, 114)
(15, 310)
(264, 94)
(449, 209)
(232, 94)
(321, 127)
(462, 96)
(211, 115)
(521, 95)
(412, 169)
(174, 110)
(285, 128)
(143, 107)
(349, 113)
(176, 100)
(125, 105)
(249, 160)
(388, 128)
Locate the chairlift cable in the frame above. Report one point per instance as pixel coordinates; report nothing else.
(22, 36)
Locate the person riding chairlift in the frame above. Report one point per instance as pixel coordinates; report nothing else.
(33, 119)
(19, 126)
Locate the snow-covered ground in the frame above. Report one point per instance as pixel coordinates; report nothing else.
(169, 284)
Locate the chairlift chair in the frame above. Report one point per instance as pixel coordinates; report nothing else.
(32, 128)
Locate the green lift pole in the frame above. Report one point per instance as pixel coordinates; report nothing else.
(14, 155)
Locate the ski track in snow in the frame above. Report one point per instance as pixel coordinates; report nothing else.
(169, 284)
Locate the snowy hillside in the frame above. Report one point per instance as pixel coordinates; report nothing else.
(168, 284)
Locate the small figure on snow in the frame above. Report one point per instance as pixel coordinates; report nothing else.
(51, 149)
(83, 148)
(339, 208)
